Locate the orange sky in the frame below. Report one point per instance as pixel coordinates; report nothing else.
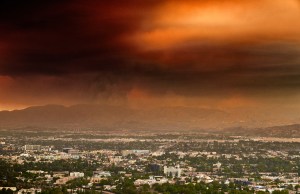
(227, 55)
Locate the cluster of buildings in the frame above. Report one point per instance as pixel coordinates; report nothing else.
(166, 164)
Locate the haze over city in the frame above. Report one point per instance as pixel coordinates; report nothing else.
(240, 57)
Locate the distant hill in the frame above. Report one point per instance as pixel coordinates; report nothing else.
(100, 117)
(287, 131)
(111, 117)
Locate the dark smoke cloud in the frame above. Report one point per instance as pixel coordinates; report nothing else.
(88, 50)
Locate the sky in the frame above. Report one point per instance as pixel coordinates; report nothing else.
(221, 54)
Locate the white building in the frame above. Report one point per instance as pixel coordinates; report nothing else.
(151, 181)
(136, 152)
(76, 174)
(32, 147)
(102, 173)
(172, 171)
(31, 191)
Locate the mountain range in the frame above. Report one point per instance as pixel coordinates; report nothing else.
(100, 117)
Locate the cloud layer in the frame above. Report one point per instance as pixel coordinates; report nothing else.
(190, 52)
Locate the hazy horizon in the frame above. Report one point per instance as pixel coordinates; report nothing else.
(241, 57)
